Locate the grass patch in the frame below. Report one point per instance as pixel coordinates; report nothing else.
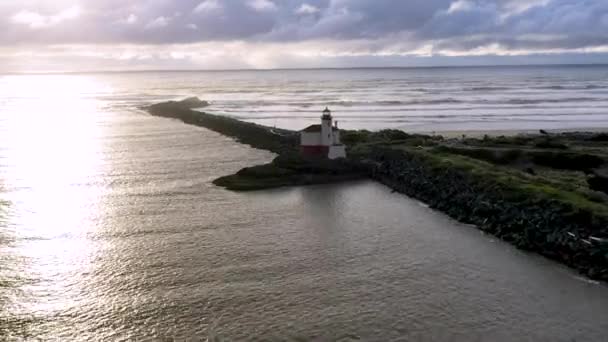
(522, 184)
(563, 160)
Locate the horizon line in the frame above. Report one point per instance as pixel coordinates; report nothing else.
(119, 71)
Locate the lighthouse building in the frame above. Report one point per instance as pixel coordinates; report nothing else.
(322, 141)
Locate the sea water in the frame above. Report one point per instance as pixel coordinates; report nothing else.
(417, 99)
(110, 228)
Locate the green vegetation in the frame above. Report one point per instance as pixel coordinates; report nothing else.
(354, 138)
(520, 184)
(289, 170)
(556, 159)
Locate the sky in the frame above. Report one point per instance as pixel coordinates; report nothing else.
(78, 35)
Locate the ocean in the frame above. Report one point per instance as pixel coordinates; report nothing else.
(110, 228)
(417, 99)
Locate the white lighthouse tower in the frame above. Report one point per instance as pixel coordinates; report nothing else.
(322, 141)
(327, 130)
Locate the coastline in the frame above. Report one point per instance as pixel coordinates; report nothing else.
(531, 215)
(288, 169)
(545, 193)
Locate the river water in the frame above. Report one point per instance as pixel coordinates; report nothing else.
(111, 230)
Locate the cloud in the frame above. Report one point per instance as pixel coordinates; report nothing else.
(262, 5)
(428, 28)
(132, 19)
(36, 20)
(563, 24)
(460, 5)
(208, 6)
(158, 22)
(242, 55)
(520, 6)
(306, 8)
(32, 19)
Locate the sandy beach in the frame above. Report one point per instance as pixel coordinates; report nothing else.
(508, 133)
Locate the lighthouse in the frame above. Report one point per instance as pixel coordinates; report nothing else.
(322, 141)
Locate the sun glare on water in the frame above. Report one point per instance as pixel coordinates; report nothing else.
(50, 165)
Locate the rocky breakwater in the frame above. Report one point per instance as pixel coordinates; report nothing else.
(258, 136)
(509, 204)
(288, 169)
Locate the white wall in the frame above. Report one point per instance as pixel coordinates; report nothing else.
(326, 133)
(337, 151)
(310, 138)
(337, 138)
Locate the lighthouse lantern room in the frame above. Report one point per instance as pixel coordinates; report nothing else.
(322, 141)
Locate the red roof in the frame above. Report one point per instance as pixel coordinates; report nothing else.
(315, 128)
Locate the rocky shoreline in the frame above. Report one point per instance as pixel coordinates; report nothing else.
(540, 193)
(272, 139)
(530, 221)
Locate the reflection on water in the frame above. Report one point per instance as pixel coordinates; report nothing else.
(52, 161)
(112, 230)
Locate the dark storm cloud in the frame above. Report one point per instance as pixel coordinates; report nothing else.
(446, 24)
(558, 24)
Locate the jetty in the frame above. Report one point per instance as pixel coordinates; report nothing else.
(546, 192)
(266, 138)
(289, 168)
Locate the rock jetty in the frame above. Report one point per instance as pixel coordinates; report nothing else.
(532, 219)
(288, 169)
(258, 136)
